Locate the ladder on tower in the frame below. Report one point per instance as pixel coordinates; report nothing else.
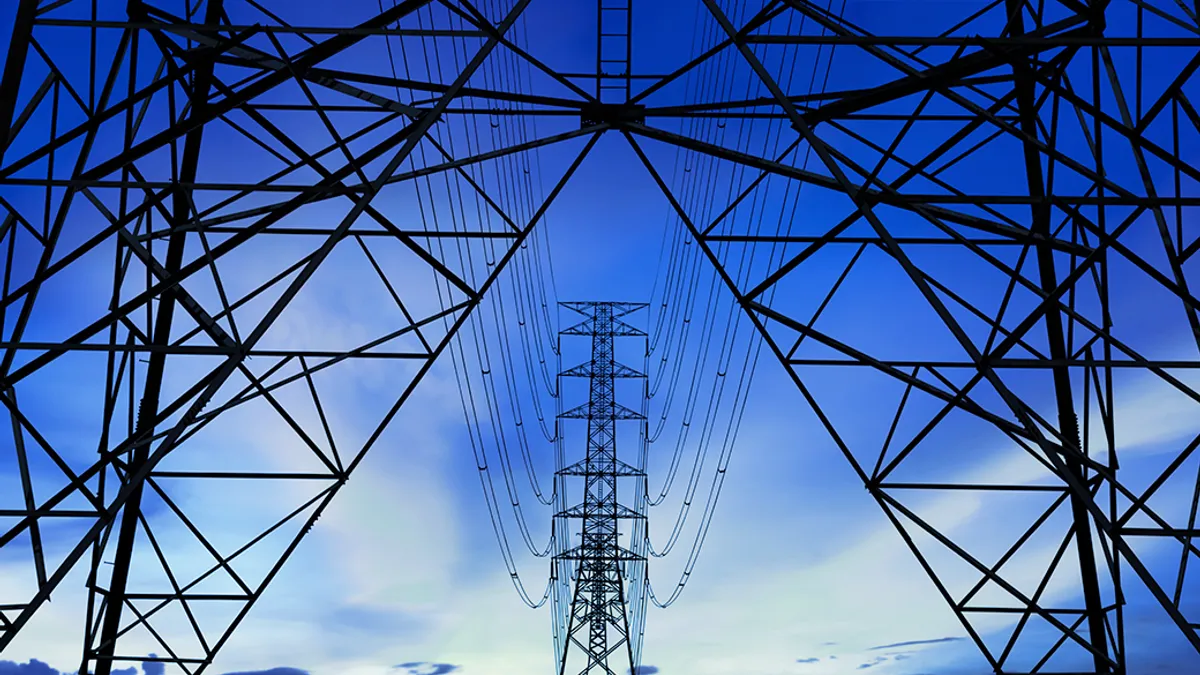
(614, 51)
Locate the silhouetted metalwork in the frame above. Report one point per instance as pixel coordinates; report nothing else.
(1013, 175)
(598, 624)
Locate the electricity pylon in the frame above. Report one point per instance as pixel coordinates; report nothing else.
(155, 158)
(598, 621)
(1017, 171)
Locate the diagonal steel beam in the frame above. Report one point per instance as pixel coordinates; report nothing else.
(302, 63)
(14, 67)
(867, 195)
(115, 600)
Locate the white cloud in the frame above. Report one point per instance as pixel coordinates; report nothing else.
(391, 542)
(873, 592)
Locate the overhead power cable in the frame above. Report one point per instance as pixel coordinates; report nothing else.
(742, 271)
(485, 344)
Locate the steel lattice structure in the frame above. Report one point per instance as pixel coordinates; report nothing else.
(599, 606)
(1019, 170)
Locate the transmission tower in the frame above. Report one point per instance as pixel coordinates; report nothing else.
(1004, 184)
(598, 621)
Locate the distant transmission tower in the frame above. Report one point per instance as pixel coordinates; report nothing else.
(598, 625)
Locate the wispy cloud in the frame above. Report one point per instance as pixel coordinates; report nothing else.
(425, 668)
(31, 667)
(281, 670)
(872, 589)
(382, 562)
(914, 643)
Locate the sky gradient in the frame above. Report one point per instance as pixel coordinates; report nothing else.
(800, 574)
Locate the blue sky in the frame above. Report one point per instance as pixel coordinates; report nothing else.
(801, 572)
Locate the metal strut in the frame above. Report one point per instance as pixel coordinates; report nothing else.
(614, 50)
(101, 653)
(1089, 567)
(14, 66)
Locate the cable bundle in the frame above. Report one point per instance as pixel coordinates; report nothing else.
(703, 362)
(699, 340)
(497, 387)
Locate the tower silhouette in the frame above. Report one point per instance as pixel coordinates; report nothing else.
(597, 624)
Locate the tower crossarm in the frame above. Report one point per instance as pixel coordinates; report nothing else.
(584, 511)
(586, 370)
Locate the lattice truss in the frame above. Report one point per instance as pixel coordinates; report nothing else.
(990, 254)
(969, 222)
(183, 185)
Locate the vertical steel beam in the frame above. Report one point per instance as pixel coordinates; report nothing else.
(1068, 421)
(35, 532)
(14, 66)
(181, 210)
